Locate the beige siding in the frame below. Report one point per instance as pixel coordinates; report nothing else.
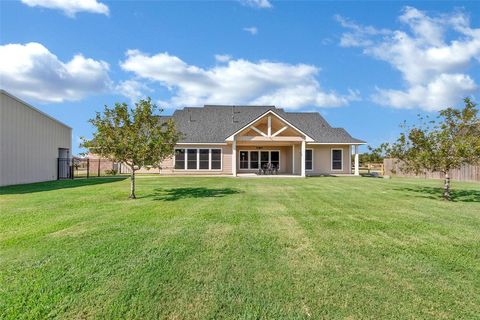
(322, 161)
(29, 143)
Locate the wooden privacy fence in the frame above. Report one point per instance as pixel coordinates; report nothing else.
(465, 173)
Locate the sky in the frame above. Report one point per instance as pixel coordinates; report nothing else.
(365, 66)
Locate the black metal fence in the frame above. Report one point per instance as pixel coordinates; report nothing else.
(94, 167)
(72, 168)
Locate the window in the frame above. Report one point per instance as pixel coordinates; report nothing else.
(179, 158)
(309, 159)
(337, 156)
(204, 159)
(198, 159)
(243, 159)
(253, 159)
(191, 158)
(216, 159)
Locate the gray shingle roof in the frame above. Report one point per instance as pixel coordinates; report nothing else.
(214, 123)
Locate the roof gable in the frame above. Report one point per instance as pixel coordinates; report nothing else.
(267, 113)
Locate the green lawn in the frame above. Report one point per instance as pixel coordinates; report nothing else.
(197, 248)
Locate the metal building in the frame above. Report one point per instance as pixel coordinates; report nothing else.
(30, 143)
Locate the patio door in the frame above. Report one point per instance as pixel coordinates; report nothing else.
(275, 159)
(264, 158)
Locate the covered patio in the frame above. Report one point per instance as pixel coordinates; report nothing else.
(272, 142)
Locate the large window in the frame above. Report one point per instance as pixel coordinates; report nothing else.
(179, 158)
(243, 159)
(337, 157)
(258, 159)
(204, 159)
(216, 159)
(198, 159)
(191, 159)
(308, 159)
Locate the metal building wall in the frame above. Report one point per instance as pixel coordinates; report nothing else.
(29, 142)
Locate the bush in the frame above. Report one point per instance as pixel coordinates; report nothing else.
(112, 172)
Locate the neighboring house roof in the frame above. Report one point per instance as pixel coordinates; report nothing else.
(215, 123)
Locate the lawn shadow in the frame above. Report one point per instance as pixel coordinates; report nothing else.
(175, 194)
(436, 193)
(57, 184)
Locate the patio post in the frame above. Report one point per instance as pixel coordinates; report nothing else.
(234, 157)
(293, 158)
(356, 171)
(302, 159)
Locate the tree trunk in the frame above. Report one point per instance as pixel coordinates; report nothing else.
(446, 187)
(132, 184)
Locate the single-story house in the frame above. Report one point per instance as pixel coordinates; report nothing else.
(31, 143)
(232, 140)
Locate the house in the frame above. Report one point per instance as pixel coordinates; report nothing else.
(31, 143)
(235, 140)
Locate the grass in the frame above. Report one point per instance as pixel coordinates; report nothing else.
(199, 248)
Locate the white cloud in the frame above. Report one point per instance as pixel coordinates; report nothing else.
(252, 30)
(358, 35)
(133, 89)
(236, 82)
(32, 71)
(445, 90)
(223, 57)
(434, 68)
(262, 4)
(70, 7)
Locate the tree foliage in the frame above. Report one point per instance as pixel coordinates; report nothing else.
(447, 142)
(136, 136)
(374, 155)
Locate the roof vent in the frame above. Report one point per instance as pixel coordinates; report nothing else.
(190, 116)
(233, 114)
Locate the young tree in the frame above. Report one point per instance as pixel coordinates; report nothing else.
(374, 155)
(137, 137)
(447, 143)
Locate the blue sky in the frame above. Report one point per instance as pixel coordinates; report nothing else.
(366, 66)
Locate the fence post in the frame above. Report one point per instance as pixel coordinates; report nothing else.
(72, 169)
(58, 168)
(98, 173)
(88, 168)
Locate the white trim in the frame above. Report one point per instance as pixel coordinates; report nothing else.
(202, 143)
(258, 131)
(312, 159)
(331, 159)
(269, 122)
(185, 165)
(338, 143)
(279, 131)
(234, 157)
(357, 171)
(209, 159)
(259, 158)
(230, 138)
(302, 171)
